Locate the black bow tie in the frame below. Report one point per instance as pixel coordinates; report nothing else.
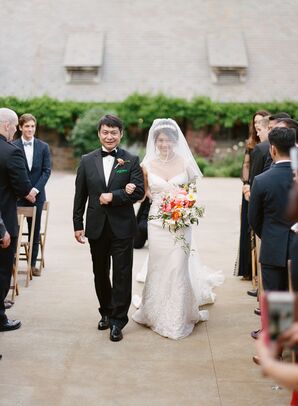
(27, 143)
(106, 153)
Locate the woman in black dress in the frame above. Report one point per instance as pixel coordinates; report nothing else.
(243, 265)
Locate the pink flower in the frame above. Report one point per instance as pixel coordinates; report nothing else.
(168, 208)
(120, 161)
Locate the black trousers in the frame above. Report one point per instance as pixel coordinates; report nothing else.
(36, 236)
(275, 278)
(114, 299)
(6, 264)
(294, 264)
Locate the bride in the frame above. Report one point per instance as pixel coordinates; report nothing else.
(176, 284)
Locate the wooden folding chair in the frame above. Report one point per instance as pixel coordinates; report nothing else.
(15, 286)
(27, 240)
(254, 260)
(258, 265)
(43, 234)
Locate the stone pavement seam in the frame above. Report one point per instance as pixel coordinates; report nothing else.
(213, 363)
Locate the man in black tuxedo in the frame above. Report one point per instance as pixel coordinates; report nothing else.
(14, 182)
(110, 221)
(38, 164)
(266, 212)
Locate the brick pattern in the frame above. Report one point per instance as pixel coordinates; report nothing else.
(156, 46)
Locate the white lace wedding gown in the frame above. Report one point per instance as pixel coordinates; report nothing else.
(176, 283)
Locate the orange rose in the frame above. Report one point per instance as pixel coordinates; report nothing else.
(176, 215)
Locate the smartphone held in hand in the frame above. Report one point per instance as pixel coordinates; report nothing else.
(278, 313)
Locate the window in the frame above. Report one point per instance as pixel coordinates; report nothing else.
(83, 58)
(227, 57)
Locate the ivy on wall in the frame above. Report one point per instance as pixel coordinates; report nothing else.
(139, 110)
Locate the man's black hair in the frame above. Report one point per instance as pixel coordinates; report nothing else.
(110, 121)
(283, 139)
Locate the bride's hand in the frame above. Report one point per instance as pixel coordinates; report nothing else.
(130, 188)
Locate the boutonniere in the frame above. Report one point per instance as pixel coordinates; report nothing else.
(121, 162)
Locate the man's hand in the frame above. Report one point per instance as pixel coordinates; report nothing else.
(105, 198)
(130, 188)
(31, 196)
(5, 242)
(80, 236)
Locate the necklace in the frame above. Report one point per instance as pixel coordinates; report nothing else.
(167, 160)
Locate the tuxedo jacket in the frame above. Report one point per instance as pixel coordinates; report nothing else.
(14, 183)
(90, 184)
(266, 213)
(41, 166)
(258, 160)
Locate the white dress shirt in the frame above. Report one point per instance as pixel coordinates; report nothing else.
(29, 150)
(107, 162)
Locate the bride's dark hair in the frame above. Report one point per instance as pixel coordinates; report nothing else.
(164, 127)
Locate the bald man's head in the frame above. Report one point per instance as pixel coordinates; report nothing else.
(8, 122)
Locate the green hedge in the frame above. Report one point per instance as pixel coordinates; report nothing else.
(230, 166)
(138, 112)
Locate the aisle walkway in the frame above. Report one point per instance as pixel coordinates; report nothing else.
(59, 358)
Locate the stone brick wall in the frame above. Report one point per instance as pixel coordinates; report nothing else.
(63, 158)
(150, 46)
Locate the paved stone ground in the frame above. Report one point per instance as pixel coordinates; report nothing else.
(59, 358)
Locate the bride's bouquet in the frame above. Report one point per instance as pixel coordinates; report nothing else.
(179, 209)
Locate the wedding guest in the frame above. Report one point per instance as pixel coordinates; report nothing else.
(261, 150)
(289, 123)
(292, 214)
(14, 182)
(273, 122)
(243, 265)
(38, 165)
(266, 212)
(285, 374)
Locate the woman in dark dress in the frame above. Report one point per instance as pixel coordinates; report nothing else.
(243, 265)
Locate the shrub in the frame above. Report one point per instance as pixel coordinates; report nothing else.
(84, 134)
(202, 164)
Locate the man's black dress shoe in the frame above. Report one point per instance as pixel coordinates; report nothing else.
(116, 334)
(104, 323)
(255, 334)
(257, 311)
(10, 325)
(253, 293)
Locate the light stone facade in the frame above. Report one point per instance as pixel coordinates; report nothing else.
(149, 47)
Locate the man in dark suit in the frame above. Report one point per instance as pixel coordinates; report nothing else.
(14, 182)
(38, 164)
(266, 212)
(274, 122)
(110, 221)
